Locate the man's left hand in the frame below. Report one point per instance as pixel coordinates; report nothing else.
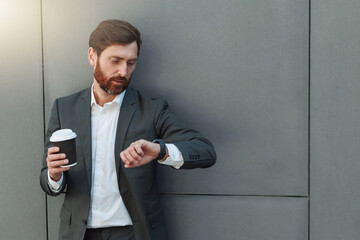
(140, 152)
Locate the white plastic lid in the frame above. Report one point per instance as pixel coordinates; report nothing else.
(62, 135)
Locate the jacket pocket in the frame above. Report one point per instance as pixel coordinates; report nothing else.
(65, 216)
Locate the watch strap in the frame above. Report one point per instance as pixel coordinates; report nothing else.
(162, 152)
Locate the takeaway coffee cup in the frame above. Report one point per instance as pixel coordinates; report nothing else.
(65, 140)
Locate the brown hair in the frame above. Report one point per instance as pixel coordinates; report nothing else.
(111, 32)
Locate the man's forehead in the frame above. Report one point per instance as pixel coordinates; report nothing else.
(118, 47)
(122, 50)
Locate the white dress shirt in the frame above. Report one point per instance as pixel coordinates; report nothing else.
(107, 208)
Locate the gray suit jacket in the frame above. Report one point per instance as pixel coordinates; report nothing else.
(140, 118)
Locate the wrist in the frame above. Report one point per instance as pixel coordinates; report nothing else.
(55, 178)
(166, 155)
(163, 153)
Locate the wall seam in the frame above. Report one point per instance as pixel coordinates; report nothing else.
(309, 118)
(231, 195)
(43, 103)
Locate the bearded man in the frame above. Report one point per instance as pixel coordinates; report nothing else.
(112, 193)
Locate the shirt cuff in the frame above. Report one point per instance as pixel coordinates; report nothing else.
(175, 158)
(55, 186)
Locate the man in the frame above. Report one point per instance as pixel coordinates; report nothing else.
(112, 192)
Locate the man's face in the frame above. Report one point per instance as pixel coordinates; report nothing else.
(115, 66)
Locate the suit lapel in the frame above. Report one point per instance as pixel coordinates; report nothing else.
(84, 118)
(126, 113)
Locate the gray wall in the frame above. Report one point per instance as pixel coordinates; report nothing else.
(335, 115)
(22, 202)
(238, 71)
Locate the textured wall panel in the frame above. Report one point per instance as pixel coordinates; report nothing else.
(335, 120)
(54, 206)
(238, 72)
(22, 203)
(223, 217)
(229, 218)
(235, 71)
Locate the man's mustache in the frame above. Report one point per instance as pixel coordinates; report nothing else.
(118, 78)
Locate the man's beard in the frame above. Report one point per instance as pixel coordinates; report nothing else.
(107, 84)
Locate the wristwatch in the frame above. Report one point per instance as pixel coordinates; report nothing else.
(162, 152)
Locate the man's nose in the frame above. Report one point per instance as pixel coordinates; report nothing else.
(122, 70)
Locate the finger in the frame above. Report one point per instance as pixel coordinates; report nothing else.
(56, 171)
(128, 156)
(56, 164)
(132, 165)
(124, 157)
(133, 152)
(55, 157)
(52, 150)
(139, 150)
(135, 149)
(64, 169)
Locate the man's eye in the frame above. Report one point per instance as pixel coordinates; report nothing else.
(131, 63)
(115, 61)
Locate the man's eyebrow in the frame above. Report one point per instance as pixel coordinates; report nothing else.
(131, 59)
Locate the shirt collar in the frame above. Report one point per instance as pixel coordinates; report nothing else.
(117, 100)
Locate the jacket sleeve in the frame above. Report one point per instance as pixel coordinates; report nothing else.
(53, 125)
(197, 151)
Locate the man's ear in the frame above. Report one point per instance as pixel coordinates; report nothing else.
(92, 56)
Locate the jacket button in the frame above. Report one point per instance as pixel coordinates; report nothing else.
(84, 221)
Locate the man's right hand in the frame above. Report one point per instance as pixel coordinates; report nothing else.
(54, 160)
